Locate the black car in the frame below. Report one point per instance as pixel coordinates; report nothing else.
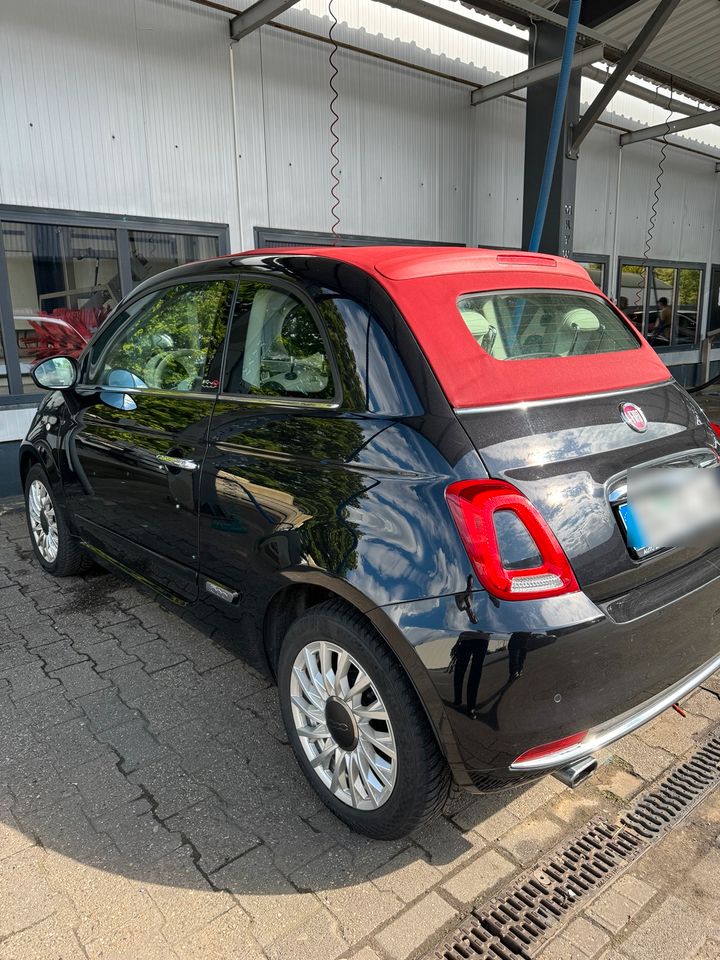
(471, 514)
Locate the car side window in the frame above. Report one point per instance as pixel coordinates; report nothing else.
(173, 342)
(275, 348)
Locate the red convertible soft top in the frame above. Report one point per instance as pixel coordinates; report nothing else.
(425, 283)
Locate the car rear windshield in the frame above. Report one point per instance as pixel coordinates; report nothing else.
(514, 325)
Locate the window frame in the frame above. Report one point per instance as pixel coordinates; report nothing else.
(650, 264)
(121, 225)
(85, 388)
(327, 403)
(601, 258)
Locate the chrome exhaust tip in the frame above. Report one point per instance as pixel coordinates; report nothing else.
(576, 773)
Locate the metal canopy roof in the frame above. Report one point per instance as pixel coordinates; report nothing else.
(684, 55)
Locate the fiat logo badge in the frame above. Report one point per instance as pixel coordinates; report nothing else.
(634, 417)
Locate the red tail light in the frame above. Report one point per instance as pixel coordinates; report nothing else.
(474, 505)
(716, 429)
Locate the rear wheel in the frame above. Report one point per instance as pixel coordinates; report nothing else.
(356, 725)
(55, 548)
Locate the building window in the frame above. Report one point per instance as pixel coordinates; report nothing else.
(596, 268)
(60, 276)
(662, 300)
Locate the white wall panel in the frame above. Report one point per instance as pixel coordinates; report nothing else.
(119, 107)
(595, 192)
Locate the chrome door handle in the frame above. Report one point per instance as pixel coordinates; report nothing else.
(178, 462)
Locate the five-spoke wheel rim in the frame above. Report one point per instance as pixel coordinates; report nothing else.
(343, 725)
(43, 521)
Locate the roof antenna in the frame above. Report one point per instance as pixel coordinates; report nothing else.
(334, 138)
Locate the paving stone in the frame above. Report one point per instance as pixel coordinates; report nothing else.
(673, 733)
(528, 841)
(316, 939)
(675, 918)
(587, 939)
(622, 784)
(13, 655)
(72, 743)
(705, 702)
(105, 709)
(365, 954)
(184, 897)
(407, 876)
(49, 707)
(65, 828)
(226, 937)
(106, 655)
(196, 747)
(646, 761)
(262, 891)
(575, 807)
(157, 655)
(446, 845)
(424, 921)
(617, 905)
(132, 682)
(134, 743)
(80, 679)
(102, 785)
(490, 816)
(28, 679)
(169, 786)
(131, 634)
(479, 877)
(35, 783)
(131, 942)
(217, 837)
(25, 895)
(358, 905)
(50, 939)
(137, 833)
(12, 838)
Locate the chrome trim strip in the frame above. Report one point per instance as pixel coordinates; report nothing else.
(529, 404)
(607, 733)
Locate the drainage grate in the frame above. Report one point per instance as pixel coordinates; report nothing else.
(516, 923)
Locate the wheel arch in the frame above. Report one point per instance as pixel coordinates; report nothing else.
(292, 600)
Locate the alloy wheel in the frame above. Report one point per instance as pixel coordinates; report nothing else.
(43, 521)
(343, 725)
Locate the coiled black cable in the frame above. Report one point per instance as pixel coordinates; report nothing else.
(334, 138)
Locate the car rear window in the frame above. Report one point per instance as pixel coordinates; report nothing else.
(522, 325)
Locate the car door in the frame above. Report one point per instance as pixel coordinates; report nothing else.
(278, 479)
(138, 430)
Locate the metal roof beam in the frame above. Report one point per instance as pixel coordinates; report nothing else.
(673, 126)
(260, 13)
(455, 21)
(627, 62)
(545, 71)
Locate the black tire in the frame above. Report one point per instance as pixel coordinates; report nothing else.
(422, 777)
(70, 558)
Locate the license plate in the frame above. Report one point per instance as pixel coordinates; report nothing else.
(668, 505)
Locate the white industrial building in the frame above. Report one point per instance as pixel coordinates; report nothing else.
(137, 134)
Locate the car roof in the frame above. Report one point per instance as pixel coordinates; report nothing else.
(412, 262)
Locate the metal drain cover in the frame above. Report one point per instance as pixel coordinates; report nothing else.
(515, 924)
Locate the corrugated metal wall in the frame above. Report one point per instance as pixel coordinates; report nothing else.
(117, 107)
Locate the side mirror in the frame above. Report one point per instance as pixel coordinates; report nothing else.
(56, 373)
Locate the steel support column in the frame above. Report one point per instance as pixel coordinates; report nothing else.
(557, 236)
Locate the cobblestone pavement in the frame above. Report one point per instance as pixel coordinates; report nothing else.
(150, 806)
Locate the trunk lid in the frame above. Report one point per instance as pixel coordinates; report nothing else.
(571, 457)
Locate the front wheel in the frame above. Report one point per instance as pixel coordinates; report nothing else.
(356, 725)
(55, 548)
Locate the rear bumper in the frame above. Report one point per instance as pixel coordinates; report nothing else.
(512, 676)
(607, 733)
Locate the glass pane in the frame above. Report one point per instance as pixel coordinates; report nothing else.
(275, 348)
(153, 252)
(596, 270)
(174, 341)
(631, 300)
(541, 324)
(3, 370)
(660, 306)
(63, 283)
(688, 297)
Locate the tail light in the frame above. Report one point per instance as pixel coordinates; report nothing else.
(716, 429)
(514, 553)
